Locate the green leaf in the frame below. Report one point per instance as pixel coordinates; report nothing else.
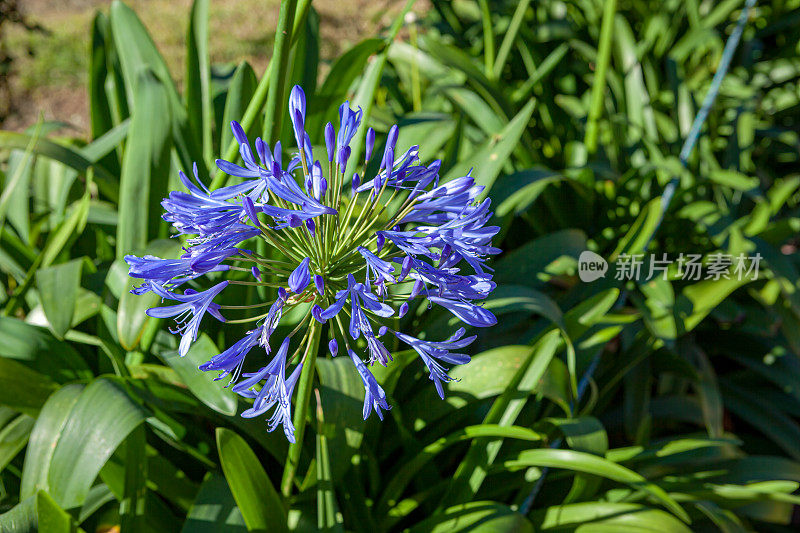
(734, 180)
(240, 92)
(641, 231)
(132, 504)
(38, 349)
(214, 509)
(15, 201)
(607, 517)
(131, 317)
(487, 162)
(472, 471)
(407, 470)
(698, 300)
(137, 55)
(343, 73)
(68, 231)
(99, 107)
(58, 291)
(65, 155)
(515, 298)
(13, 438)
(591, 464)
(368, 87)
(145, 166)
(583, 434)
(42, 443)
(328, 516)
(201, 383)
(38, 513)
(256, 497)
(197, 83)
(343, 397)
(476, 516)
(23, 389)
(525, 265)
(103, 416)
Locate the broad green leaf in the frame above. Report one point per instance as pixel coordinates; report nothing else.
(486, 375)
(214, 509)
(240, 92)
(328, 516)
(44, 437)
(515, 193)
(99, 107)
(476, 516)
(15, 201)
(698, 300)
(583, 434)
(38, 349)
(132, 508)
(477, 109)
(634, 454)
(487, 162)
(201, 383)
(407, 470)
(65, 155)
(58, 291)
(22, 388)
(38, 513)
(515, 298)
(13, 437)
(472, 471)
(132, 319)
(198, 72)
(343, 73)
(145, 166)
(641, 231)
(138, 54)
(591, 464)
(342, 398)
(102, 417)
(637, 98)
(256, 497)
(607, 517)
(527, 264)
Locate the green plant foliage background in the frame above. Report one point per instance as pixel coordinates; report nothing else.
(689, 420)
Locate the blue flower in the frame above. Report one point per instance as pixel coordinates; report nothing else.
(276, 391)
(374, 396)
(432, 352)
(412, 242)
(189, 312)
(300, 278)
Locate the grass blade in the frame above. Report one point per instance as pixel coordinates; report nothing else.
(599, 84)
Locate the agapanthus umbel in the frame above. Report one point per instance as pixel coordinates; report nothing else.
(351, 255)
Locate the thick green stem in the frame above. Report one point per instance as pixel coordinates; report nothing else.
(304, 387)
(488, 37)
(278, 74)
(260, 96)
(599, 85)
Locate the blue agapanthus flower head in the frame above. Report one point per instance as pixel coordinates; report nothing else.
(350, 257)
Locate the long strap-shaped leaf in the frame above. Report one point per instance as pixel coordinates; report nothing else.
(591, 464)
(256, 105)
(410, 469)
(504, 411)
